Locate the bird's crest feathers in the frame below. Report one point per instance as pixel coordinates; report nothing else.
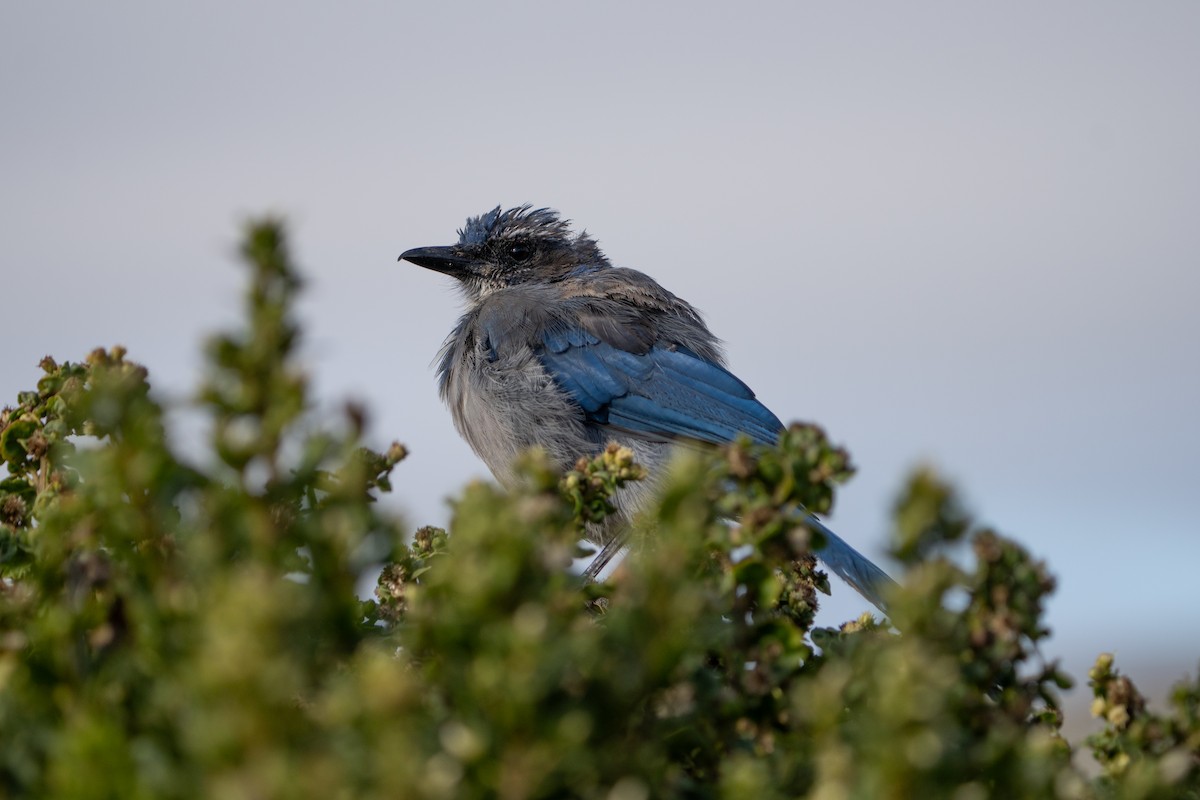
(525, 221)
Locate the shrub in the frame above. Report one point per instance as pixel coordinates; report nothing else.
(171, 629)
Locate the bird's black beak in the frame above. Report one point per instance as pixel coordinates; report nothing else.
(438, 259)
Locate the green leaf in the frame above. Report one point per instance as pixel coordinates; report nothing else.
(12, 441)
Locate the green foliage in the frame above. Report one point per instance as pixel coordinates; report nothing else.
(1144, 753)
(170, 629)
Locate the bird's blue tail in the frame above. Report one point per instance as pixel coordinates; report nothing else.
(851, 566)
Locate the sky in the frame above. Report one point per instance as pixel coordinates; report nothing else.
(954, 234)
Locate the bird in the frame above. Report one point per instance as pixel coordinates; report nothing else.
(559, 349)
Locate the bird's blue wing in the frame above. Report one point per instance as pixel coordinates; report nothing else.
(671, 393)
(661, 392)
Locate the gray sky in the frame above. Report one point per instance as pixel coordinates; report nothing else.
(950, 233)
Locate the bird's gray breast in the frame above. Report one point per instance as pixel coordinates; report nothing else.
(501, 397)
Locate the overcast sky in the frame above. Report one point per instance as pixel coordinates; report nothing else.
(960, 234)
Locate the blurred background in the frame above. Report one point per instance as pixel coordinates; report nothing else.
(952, 234)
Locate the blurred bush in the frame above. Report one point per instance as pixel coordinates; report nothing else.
(175, 630)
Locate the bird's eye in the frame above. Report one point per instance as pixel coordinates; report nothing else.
(520, 252)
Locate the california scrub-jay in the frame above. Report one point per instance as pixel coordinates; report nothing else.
(558, 348)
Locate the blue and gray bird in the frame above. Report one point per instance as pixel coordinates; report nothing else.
(562, 350)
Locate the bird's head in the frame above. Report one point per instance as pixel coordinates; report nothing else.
(506, 248)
